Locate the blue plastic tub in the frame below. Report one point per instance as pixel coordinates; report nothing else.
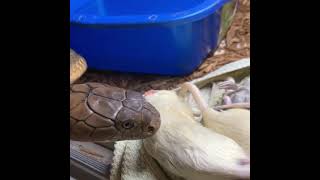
(169, 37)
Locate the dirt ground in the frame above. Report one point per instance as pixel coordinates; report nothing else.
(235, 46)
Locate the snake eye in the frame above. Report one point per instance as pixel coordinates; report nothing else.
(128, 124)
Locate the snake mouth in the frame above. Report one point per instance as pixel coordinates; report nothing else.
(149, 133)
(150, 92)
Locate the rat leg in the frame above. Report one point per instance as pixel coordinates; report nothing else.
(232, 92)
(241, 88)
(228, 104)
(230, 87)
(241, 95)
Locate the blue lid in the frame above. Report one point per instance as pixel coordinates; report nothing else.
(121, 12)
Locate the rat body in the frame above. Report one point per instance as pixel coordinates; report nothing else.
(187, 149)
(233, 123)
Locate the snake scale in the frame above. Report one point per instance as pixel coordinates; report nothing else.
(100, 112)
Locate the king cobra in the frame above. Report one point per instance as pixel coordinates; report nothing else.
(104, 113)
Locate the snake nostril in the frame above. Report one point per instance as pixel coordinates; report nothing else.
(150, 129)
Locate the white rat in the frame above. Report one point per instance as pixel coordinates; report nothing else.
(234, 123)
(187, 149)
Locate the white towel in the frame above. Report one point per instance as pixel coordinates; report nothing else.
(131, 162)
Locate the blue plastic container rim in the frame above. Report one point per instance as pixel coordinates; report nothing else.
(198, 12)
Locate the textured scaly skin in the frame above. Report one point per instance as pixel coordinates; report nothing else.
(77, 66)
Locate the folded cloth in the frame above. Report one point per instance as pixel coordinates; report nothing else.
(132, 162)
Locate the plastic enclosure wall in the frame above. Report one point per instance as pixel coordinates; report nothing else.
(168, 42)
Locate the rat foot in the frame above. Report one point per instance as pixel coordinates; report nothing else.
(228, 84)
(227, 100)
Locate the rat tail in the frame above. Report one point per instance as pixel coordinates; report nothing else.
(196, 94)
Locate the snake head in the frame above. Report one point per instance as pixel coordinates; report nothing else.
(151, 119)
(100, 113)
(138, 119)
(138, 125)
